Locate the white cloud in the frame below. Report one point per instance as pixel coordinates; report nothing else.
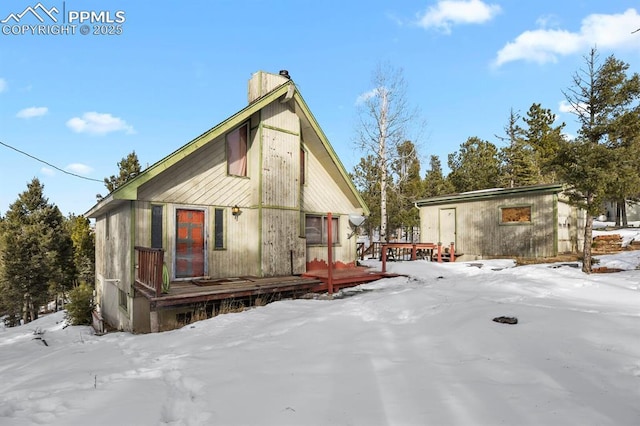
(78, 168)
(566, 107)
(545, 45)
(3, 85)
(47, 171)
(364, 97)
(447, 13)
(98, 124)
(32, 112)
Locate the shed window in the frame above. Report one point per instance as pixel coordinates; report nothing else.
(237, 151)
(316, 229)
(515, 214)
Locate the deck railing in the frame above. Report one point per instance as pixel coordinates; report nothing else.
(433, 251)
(149, 269)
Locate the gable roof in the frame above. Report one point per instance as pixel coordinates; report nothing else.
(484, 194)
(129, 190)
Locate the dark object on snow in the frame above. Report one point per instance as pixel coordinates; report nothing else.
(506, 320)
(42, 340)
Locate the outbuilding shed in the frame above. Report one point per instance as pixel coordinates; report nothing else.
(527, 222)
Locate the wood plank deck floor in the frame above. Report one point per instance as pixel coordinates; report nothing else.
(203, 290)
(186, 292)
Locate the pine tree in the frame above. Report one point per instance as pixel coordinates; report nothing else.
(35, 252)
(366, 178)
(475, 166)
(544, 139)
(83, 248)
(601, 96)
(129, 168)
(434, 181)
(408, 188)
(518, 164)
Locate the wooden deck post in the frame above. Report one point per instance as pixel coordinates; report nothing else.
(384, 258)
(414, 251)
(439, 252)
(329, 254)
(452, 253)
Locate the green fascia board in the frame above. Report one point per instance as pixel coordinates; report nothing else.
(332, 154)
(491, 193)
(129, 191)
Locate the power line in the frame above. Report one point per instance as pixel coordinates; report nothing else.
(49, 164)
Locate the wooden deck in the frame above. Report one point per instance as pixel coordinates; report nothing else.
(204, 290)
(201, 290)
(347, 277)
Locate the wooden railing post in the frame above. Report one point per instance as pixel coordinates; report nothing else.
(439, 252)
(384, 258)
(452, 253)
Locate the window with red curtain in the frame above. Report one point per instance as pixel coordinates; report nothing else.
(237, 151)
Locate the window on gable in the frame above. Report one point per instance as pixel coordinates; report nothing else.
(237, 151)
(315, 229)
(521, 214)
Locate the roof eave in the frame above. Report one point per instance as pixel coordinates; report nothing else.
(332, 154)
(498, 193)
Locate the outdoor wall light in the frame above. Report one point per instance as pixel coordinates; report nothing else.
(235, 211)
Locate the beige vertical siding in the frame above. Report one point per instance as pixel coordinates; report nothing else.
(280, 169)
(240, 254)
(281, 244)
(479, 233)
(202, 179)
(113, 262)
(570, 228)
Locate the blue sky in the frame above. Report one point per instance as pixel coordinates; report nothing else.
(83, 102)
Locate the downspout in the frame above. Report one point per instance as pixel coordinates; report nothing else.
(329, 254)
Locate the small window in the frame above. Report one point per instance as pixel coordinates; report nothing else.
(156, 226)
(123, 300)
(515, 214)
(315, 229)
(237, 151)
(218, 242)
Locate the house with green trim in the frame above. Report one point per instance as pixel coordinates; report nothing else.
(528, 222)
(249, 197)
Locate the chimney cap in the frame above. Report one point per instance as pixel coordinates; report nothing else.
(285, 74)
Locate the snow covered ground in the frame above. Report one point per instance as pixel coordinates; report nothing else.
(416, 350)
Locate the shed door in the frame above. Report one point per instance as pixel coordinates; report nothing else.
(189, 243)
(447, 226)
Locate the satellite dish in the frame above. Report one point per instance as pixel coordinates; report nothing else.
(356, 219)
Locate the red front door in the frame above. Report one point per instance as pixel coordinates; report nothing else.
(189, 243)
